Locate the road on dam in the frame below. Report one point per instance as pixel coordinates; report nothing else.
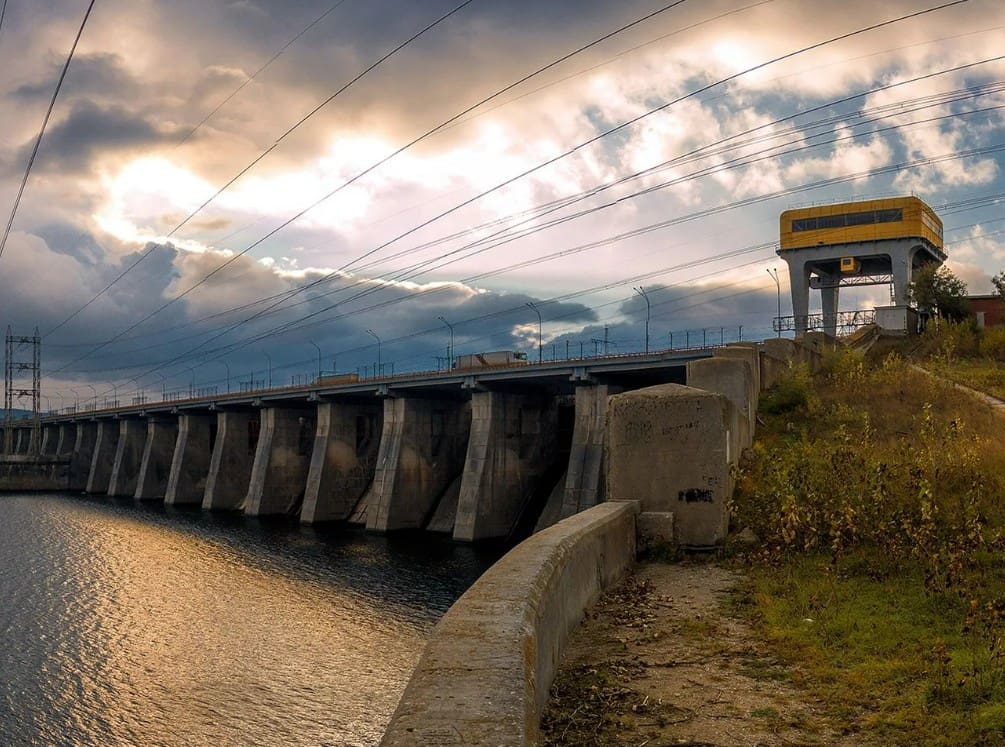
(126, 624)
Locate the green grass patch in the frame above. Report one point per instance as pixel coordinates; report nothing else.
(877, 501)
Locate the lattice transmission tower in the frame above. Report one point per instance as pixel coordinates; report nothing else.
(23, 359)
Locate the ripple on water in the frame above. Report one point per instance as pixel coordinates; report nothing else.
(127, 625)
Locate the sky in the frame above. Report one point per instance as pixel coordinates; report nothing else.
(385, 201)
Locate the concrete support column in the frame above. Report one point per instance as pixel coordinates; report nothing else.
(128, 455)
(902, 263)
(103, 457)
(279, 473)
(81, 454)
(829, 298)
(511, 444)
(190, 461)
(422, 449)
(342, 461)
(21, 439)
(155, 465)
(799, 283)
(50, 435)
(584, 482)
(230, 464)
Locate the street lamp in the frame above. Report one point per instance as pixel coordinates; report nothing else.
(450, 348)
(269, 360)
(531, 305)
(773, 272)
(163, 384)
(642, 292)
(374, 336)
(316, 347)
(94, 401)
(76, 401)
(227, 366)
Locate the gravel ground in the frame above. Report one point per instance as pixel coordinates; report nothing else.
(662, 660)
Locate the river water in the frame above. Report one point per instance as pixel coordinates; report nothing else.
(128, 624)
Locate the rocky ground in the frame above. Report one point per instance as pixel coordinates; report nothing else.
(664, 660)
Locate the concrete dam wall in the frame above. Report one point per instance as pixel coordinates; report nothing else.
(484, 456)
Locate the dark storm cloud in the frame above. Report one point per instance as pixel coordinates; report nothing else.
(97, 75)
(91, 130)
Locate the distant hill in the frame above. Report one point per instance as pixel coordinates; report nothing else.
(16, 414)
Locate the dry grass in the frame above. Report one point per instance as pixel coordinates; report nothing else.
(877, 499)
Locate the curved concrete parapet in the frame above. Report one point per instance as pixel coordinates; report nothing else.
(484, 676)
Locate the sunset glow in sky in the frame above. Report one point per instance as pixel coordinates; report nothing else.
(518, 200)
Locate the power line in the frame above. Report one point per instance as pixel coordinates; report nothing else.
(897, 106)
(41, 132)
(577, 148)
(3, 12)
(260, 70)
(618, 128)
(355, 178)
(251, 165)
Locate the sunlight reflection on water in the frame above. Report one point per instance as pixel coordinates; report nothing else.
(130, 625)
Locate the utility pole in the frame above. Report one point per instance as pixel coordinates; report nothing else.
(15, 388)
(642, 292)
(450, 347)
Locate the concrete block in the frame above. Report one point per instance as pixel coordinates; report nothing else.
(128, 456)
(343, 460)
(193, 450)
(279, 473)
(733, 378)
(751, 353)
(155, 464)
(511, 446)
(778, 355)
(484, 677)
(670, 447)
(232, 459)
(422, 449)
(103, 456)
(655, 532)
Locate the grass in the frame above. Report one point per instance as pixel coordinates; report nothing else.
(876, 494)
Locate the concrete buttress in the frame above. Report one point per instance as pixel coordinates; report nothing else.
(50, 435)
(103, 456)
(422, 448)
(128, 455)
(510, 447)
(343, 460)
(230, 464)
(155, 465)
(82, 454)
(585, 482)
(190, 462)
(65, 441)
(279, 473)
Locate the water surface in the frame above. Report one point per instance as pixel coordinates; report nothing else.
(128, 624)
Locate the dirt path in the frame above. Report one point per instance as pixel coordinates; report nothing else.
(662, 661)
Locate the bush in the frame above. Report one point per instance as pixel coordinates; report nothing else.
(950, 340)
(992, 343)
(791, 393)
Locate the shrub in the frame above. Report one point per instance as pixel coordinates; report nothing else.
(992, 343)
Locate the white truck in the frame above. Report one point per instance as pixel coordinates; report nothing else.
(490, 359)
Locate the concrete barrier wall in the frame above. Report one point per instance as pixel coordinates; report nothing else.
(484, 677)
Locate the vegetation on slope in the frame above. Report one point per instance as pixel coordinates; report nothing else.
(875, 493)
